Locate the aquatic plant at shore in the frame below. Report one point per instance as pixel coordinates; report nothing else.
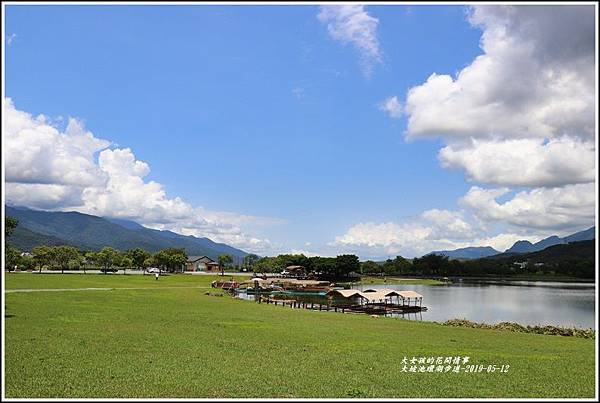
(515, 327)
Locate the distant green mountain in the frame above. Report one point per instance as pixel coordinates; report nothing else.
(90, 232)
(518, 247)
(26, 240)
(527, 247)
(554, 253)
(473, 252)
(560, 252)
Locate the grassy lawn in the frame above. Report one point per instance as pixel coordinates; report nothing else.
(47, 281)
(179, 342)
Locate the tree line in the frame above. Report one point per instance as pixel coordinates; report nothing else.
(571, 265)
(346, 266)
(340, 267)
(108, 259)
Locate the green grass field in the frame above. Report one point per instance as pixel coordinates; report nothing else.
(172, 340)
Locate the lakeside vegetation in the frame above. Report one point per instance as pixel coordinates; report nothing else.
(169, 339)
(515, 327)
(575, 260)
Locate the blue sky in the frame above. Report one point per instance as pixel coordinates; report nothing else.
(259, 111)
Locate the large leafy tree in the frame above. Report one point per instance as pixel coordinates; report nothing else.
(27, 262)
(369, 267)
(63, 255)
(107, 258)
(138, 257)
(44, 256)
(11, 254)
(12, 257)
(346, 264)
(170, 259)
(250, 260)
(224, 260)
(124, 261)
(10, 223)
(92, 259)
(149, 262)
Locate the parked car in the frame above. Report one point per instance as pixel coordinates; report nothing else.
(109, 270)
(153, 270)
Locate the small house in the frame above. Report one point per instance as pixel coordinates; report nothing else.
(201, 263)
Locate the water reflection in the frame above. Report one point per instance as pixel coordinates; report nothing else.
(524, 302)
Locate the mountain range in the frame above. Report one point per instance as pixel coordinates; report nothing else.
(518, 247)
(89, 232)
(471, 252)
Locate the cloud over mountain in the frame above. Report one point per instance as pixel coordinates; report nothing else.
(47, 168)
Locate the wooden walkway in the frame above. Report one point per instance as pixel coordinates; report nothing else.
(371, 309)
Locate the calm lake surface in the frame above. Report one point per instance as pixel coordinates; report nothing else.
(524, 302)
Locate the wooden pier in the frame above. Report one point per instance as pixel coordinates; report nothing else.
(370, 309)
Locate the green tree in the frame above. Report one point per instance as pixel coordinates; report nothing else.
(10, 223)
(250, 260)
(224, 260)
(124, 261)
(44, 256)
(92, 260)
(170, 259)
(27, 262)
(402, 265)
(266, 264)
(11, 254)
(12, 257)
(76, 263)
(138, 258)
(149, 262)
(107, 258)
(369, 267)
(63, 255)
(397, 266)
(346, 264)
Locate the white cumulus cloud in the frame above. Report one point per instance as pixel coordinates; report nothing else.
(38, 153)
(562, 209)
(352, 24)
(392, 107)
(522, 113)
(435, 229)
(50, 169)
(524, 162)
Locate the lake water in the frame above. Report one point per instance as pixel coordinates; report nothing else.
(524, 302)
